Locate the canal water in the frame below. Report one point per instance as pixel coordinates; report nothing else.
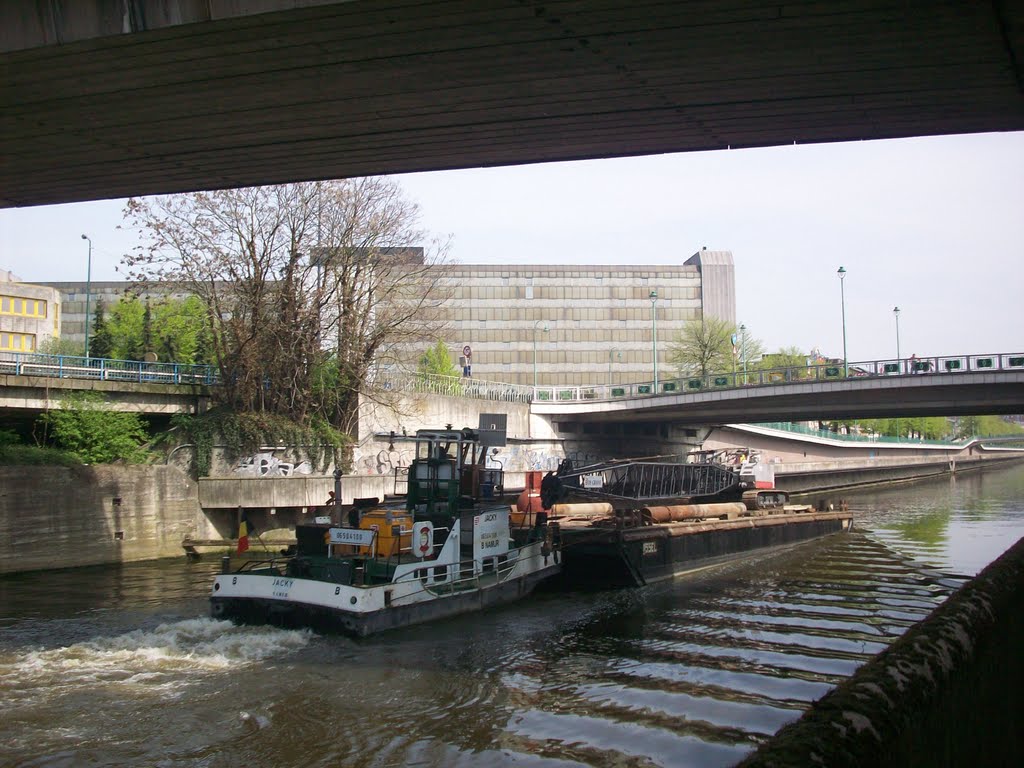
(122, 667)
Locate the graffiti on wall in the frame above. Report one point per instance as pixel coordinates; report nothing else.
(375, 458)
(268, 465)
(524, 458)
(383, 462)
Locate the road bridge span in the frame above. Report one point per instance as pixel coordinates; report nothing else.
(945, 394)
(113, 98)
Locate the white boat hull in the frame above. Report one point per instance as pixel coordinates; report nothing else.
(268, 597)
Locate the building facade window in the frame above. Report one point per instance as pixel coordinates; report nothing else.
(17, 342)
(13, 305)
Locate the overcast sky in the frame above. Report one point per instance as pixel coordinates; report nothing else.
(933, 225)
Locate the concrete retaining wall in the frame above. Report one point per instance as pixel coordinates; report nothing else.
(818, 476)
(75, 516)
(949, 692)
(412, 412)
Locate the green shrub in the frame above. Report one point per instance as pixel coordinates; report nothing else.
(86, 427)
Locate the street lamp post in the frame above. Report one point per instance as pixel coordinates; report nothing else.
(899, 360)
(611, 355)
(88, 294)
(654, 336)
(743, 350)
(842, 298)
(535, 349)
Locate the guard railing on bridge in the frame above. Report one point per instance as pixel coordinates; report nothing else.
(831, 371)
(455, 386)
(66, 366)
(101, 369)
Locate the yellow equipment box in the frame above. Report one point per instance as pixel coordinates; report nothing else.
(388, 524)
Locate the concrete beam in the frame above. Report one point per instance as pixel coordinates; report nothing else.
(112, 99)
(946, 394)
(35, 394)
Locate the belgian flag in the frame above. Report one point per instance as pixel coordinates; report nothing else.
(244, 529)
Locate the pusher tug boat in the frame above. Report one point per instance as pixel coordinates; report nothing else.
(445, 551)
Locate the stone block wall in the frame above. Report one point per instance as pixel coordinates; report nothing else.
(63, 517)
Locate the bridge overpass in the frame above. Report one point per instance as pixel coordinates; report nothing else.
(961, 385)
(112, 98)
(947, 394)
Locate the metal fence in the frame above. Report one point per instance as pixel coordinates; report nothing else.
(832, 371)
(101, 369)
(850, 436)
(455, 386)
(67, 366)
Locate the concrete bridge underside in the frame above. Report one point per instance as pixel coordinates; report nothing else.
(113, 98)
(23, 398)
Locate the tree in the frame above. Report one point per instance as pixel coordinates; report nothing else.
(706, 347)
(101, 344)
(309, 287)
(174, 329)
(749, 350)
(147, 328)
(85, 426)
(437, 361)
(703, 348)
(180, 332)
(985, 426)
(924, 427)
(125, 325)
(786, 357)
(61, 346)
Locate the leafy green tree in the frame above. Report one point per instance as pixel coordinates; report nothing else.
(147, 328)
(101, 344)
(125, 324)
(177, 330)
(702, 347)
(85, 426)
(705, 347)
(792, 359)
(437, 361)
(55, 346)
(180, 330)
(748, 348)
(986, 426)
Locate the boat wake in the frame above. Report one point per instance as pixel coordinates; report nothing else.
(148, 659)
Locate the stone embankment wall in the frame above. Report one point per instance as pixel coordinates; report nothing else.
(948, 692)
(63, 517)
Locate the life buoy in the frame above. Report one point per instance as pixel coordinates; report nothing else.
(423, 539)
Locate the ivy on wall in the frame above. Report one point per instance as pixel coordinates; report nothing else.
(241, 434)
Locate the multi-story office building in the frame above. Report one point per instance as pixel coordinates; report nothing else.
(583, 324)
(560, 324)
(29, 314)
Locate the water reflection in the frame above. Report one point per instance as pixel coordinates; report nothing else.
(121, 666)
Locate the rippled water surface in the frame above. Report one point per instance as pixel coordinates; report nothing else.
(122, 667)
